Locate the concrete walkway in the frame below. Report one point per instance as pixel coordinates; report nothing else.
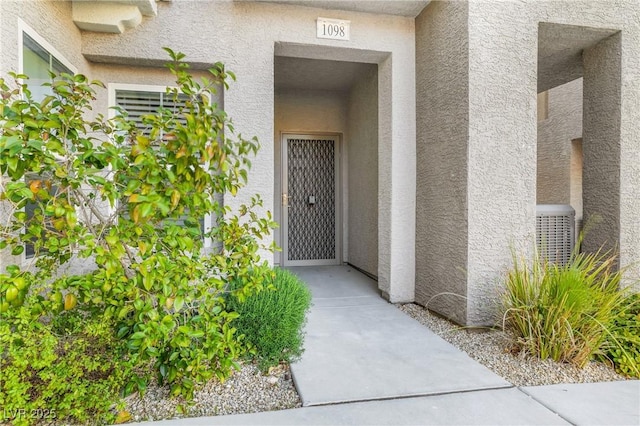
(365, 362)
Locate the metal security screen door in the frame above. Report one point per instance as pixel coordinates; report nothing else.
(310, 200)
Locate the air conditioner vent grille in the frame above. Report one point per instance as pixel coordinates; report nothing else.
(555, 232)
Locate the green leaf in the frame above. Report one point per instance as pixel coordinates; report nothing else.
(118, 198)
(147, 282)
(51, 124)
(138, 304)
(122, 331)
(138, 335)
(196, 334)
(133, 185)
(173, 372)
(12, 162)
(145, 209)
(9, 142)
(178, 303)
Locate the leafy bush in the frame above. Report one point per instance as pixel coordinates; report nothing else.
(272, 320)
(622, 344)
(71, 370)
(563, 312)
(129, 200)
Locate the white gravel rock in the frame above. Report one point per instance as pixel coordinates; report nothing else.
(494, 349)
(246, 391)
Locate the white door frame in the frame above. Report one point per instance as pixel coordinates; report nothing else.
(336, 137)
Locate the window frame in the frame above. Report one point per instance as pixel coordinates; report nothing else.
(24, 28)
(112, 88)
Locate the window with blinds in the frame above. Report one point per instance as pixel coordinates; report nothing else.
(137, 104)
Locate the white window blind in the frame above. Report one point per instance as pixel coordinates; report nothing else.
(137, 104)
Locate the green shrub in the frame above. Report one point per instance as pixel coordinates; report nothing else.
(272, 320)
(71, 369)
(622, 344)
(563, 312)
(102, 191)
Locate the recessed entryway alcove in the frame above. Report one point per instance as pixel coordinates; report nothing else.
(319, 100)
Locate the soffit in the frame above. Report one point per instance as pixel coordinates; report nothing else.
(410, 8)
(560, 49)
(316, 74)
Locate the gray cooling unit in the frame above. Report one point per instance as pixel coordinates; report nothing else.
(555, 231)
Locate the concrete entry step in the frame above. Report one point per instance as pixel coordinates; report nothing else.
(358, 347)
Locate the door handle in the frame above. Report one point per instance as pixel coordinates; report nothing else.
(285, 200)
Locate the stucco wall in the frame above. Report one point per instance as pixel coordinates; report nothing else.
(362, 147)
(50, 19)
(601, 145)
(564, 123)
(502, 147)
(304, 111)
(500, 83)
(503, 85)
(245, 35)
(576, 181)
(442, 118)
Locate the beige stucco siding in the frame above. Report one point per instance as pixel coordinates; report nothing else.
(503, 52)
(502, 147)
(462, 76)
(442, 118)
(602, 143)
(500, 87)
(618, 59)
(362, 148)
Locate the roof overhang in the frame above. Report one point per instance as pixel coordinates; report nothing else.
(410, 8)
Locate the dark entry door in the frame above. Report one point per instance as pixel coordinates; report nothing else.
(310, 200)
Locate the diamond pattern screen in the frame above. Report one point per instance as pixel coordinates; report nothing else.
(312, 210)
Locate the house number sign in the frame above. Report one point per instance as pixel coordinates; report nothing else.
(336, 29)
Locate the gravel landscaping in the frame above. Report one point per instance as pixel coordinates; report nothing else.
(246, 391)
(494, 349)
